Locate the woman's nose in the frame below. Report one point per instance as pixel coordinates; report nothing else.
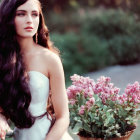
(29, 19)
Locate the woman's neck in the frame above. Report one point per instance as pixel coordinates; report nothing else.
(26, 45)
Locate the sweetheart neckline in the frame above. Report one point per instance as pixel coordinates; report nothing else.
(39, 73)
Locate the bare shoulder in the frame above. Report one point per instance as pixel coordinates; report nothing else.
(51, 57)
(48, 55)
(51, 60)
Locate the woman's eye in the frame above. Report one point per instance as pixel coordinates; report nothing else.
(20, 14)
(35, 14)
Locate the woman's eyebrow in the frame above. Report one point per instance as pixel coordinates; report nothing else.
(26, 11)
(35, 11)
(21, 11)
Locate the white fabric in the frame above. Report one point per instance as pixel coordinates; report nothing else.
(39, 87)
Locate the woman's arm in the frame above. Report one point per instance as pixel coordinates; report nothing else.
(59, 98)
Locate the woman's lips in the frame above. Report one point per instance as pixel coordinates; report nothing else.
(29, 28)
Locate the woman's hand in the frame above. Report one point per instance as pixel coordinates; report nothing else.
(4, 127)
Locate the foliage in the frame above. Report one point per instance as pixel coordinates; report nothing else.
(67, 21)
(96, 41)
(67, 44)
(64, 4)
(97, 110)
(81, 54)
(120, 31)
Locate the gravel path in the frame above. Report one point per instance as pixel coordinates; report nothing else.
(120, 75)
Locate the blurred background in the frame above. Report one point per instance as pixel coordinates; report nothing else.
(94, 34)
(96, 37)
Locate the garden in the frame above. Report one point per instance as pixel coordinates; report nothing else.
(92, 35)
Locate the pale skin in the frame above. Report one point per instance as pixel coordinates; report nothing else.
(41, 59)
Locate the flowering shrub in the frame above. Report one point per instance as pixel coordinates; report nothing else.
(97, 110)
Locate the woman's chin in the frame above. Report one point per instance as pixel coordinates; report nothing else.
(26, 36)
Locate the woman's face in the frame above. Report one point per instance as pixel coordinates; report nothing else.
(27, 19)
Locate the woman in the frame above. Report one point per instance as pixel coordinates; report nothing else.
(29, 68)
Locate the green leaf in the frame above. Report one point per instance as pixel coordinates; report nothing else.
(76, 128)
(86, 127)
(109, 110)
(128, 108)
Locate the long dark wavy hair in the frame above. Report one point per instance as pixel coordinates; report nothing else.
(15, 96)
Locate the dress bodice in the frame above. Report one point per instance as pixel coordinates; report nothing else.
(39, 88)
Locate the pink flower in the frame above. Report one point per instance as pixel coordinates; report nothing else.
(92, 100)
(72, 91)
(81, 81)
(2, 133)
(72, 102)
(90, 94)
(132, 92)
(80, 85)
(3, 126)
(82, 110)
(116, 90)
(90, 103)
(103, 88)
(70, 94)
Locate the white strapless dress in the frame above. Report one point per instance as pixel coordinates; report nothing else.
(39, 87)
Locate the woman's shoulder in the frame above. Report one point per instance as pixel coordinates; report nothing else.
(50, 57)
